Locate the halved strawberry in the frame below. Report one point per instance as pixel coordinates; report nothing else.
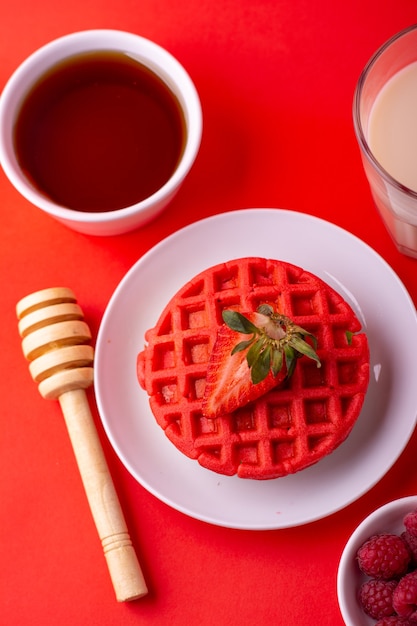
(240, 373)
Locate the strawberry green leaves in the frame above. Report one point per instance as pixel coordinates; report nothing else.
(237, 321)
(275, 340)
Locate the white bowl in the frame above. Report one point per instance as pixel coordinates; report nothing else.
(148, 53)
(386, 519)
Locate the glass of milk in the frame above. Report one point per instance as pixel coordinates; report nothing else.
(385, 122)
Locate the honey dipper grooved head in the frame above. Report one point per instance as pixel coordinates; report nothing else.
(55, 339)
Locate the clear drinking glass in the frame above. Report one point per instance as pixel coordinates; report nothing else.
(396, 202)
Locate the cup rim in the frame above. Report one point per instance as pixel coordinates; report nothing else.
(101, 39)
(357, 123)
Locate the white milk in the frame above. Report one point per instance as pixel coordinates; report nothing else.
(392, 130)
(392, 137)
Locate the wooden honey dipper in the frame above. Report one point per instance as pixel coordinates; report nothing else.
(55, 339)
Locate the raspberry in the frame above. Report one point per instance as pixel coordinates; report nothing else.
(395, 620)
(410, 522)
(404, 598)
(384, 556)
(411, 542)
(376, 597)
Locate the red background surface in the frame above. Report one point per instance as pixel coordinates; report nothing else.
(276, 80)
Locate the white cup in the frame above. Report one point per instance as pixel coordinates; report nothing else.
(147, 53)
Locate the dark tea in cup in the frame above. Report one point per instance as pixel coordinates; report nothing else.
(99, 131)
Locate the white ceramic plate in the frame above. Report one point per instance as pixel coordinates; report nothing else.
(389, 413)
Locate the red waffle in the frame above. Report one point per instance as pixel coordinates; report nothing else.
(290, 427)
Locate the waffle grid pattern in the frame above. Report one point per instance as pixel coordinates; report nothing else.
(290, 427)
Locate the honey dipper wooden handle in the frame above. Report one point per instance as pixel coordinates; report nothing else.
(124, 569)
(55, 340)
